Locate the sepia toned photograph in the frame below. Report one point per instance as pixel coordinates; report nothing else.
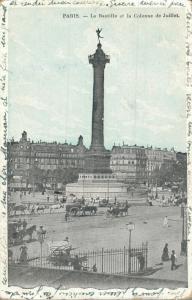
(96, 150)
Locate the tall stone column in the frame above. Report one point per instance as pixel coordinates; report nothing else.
(97, 158)
(98, 60)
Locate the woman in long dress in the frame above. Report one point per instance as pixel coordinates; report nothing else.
(23, 255)
(165, 254)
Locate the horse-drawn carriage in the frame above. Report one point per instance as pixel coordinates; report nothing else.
(60, 255)
(80, 209)
(118, 210)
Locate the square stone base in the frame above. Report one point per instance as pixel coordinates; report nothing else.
(97, 161)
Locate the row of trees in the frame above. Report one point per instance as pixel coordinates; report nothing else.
(171, 174)
(40, 178)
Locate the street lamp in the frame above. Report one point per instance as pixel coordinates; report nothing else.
(34, 171)
(130, 227)
(41, 236)
(184, 230)
(108, 190)
(83, 184)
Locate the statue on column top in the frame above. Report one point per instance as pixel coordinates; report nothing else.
(98, 31)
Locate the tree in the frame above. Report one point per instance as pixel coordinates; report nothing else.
(174, 173)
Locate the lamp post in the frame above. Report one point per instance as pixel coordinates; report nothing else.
(34, 169)
(41, 236)
(130, 227)
(184, 230)
(108, 190)
(83, 184)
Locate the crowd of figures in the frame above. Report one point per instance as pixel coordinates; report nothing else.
(172, 199)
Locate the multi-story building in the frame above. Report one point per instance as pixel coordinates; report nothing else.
(129, 163)
(157, 156)
(137, 164)
(49, 164)
(42, 162)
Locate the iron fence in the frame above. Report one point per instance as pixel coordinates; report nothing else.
(110, 261)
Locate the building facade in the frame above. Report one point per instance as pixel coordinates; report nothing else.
(129, 163)
(137, 163)
(156, 157)
(43, 163)
(51, 164)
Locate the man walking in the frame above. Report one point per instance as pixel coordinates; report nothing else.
(173, 260)
(66, 216)
(165, 222)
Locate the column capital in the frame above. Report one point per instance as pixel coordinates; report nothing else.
(99, 57)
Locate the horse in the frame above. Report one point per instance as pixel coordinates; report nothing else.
(56, 206)
(114, 211)
(20, 208)
(73, 208)
(11, 207)
(41, 208)
(29, 231)
(124, 210)
(91, 209)
(12, 233)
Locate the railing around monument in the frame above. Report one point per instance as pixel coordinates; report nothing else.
(109, 261)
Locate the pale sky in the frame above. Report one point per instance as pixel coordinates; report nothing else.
(51, 81)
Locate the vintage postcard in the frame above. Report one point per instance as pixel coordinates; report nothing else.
(95, 150)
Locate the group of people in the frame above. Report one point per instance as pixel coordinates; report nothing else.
(165, 257)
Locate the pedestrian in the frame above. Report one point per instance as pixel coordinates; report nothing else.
(47, 198)
(173, 260)
(33, 209)
(141, 260)
(66, 216)
(94, 268)
(19, 224)
(23, 255)
(165, 255)
(24, 224)
(165, 222)
(10, 255)
(76, 263)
